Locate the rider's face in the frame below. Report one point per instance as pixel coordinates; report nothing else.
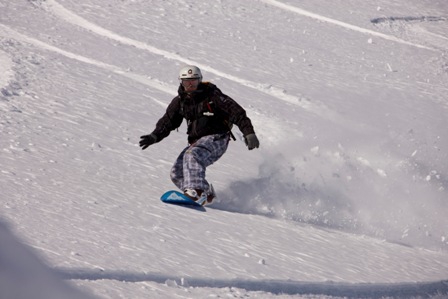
(190, 84)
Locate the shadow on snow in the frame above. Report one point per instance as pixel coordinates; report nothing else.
(357, 290)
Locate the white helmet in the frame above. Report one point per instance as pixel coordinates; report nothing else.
(190, 72)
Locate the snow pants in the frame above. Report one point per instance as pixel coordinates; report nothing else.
(188, 172)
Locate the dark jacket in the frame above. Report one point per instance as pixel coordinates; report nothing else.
(207, 111)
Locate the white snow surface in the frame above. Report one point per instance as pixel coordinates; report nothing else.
(346, 197)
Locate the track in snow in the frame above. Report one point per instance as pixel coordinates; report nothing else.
(57, 9)
(6, 31)
(343, 24)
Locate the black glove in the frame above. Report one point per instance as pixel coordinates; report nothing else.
(147, 140)
(251, 141)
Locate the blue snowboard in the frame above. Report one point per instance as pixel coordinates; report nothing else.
(176, 197)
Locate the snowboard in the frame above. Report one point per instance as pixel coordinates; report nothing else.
(176, 197)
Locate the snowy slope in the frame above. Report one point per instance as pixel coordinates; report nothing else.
(347, 195)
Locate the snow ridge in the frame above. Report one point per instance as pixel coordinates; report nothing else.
(409, 19)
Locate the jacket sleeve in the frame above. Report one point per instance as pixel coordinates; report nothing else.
(171, 120)
(236, 114)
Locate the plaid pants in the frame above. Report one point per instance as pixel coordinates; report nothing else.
(188, 172)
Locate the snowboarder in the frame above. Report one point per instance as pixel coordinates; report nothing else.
(210, 115)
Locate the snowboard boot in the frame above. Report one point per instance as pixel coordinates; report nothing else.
(200, 196)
